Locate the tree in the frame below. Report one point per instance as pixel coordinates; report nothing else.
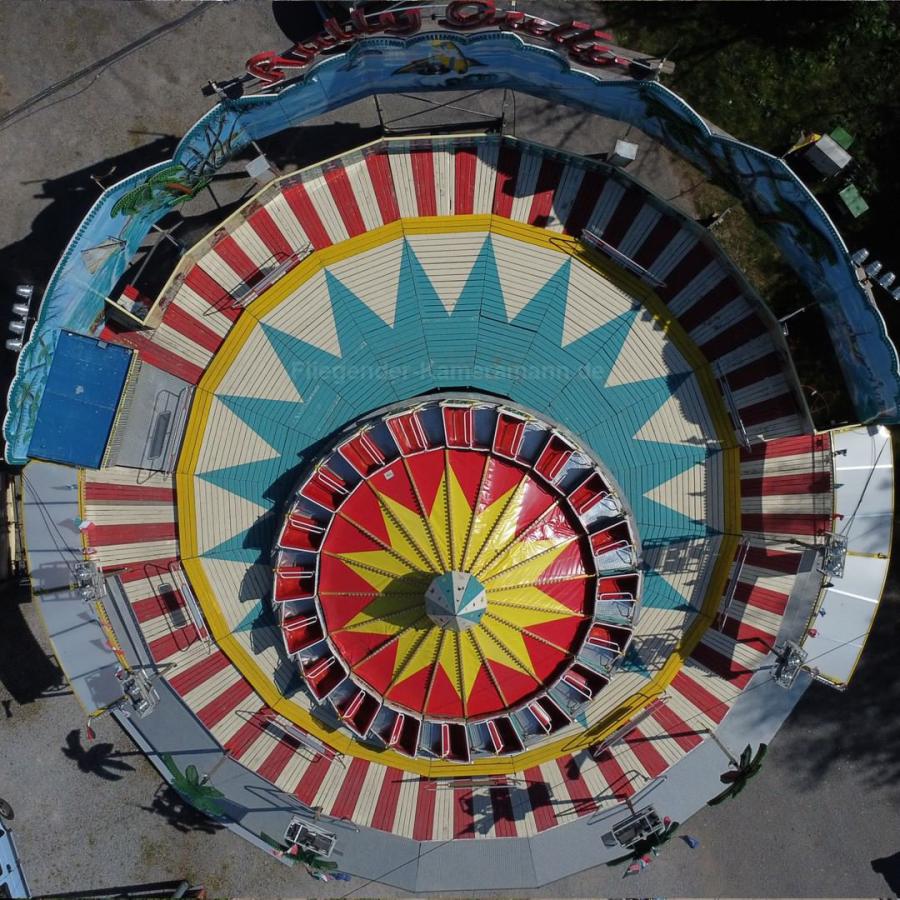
(737, 779)
(203, 797)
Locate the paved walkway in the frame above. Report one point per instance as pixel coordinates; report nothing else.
(471, 865)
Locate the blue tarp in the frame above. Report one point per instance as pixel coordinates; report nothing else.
(79, 401)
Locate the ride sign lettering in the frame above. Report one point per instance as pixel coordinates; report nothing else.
(579, 40)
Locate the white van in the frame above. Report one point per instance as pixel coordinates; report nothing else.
(12, 878)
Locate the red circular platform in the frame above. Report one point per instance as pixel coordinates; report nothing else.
(469, 511)
(460, 496)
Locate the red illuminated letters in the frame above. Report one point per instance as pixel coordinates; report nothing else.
(579, 39)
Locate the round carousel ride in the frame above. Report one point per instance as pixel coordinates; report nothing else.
(456, 576)
(459, 495)
(487, 487)
(457, 572)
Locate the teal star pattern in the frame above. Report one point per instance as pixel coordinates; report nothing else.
(260, 616)
(633, 662)
(476, 345)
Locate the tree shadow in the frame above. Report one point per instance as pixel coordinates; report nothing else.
(169, 804)
(152, 265)
(33, 258)
(889, 868)
(26, 671)
(298, 21)
(785, 25)
(99, 760)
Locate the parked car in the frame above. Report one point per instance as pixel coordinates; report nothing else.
(12, 878)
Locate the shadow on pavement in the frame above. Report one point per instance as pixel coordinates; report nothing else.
(146, 890)
(168, 804)
(298, 21)
(26, 671)
(860, 725)
(307, 144)
(99, 760)
(889, 868)
(33, 259)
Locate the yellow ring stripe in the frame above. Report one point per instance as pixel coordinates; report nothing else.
(196, 427)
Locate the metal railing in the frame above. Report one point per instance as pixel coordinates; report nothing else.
(743, 552)
(629, 726)
(725, 387)
(270, 277)
(626, 262)
(192, 608)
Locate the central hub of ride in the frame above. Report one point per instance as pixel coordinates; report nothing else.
(456, 600)
(410, 527)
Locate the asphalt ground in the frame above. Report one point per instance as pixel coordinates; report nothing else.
(106, 88)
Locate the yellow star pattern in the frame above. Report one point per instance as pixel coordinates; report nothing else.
(487, 542)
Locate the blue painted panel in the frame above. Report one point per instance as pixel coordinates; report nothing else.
(79, 400)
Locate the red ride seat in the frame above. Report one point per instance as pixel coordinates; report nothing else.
(408, 737)
(454, 742)
(458, 425)
(584, 680)
(618, 584)
(294, 583)
(588, 493)
(325, 488)
(556, 453)
(301, 532)
(323, 676)
(408, 433)
(549, 716)
(359, 712)
(504, 736)
(362, 453)
(508, 434)
(609, 637)
(301, 632)
(610, 538)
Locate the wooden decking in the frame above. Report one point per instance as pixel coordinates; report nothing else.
(125, 510)
(392, 180)
(401, 289)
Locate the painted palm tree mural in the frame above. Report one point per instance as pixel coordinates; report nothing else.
(737, 778)
(170, 187)
(200, 158)
(203, 797)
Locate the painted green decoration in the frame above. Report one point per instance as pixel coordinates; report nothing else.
(203, 797)
(174, 185)
(170, 187)
(737, 779)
